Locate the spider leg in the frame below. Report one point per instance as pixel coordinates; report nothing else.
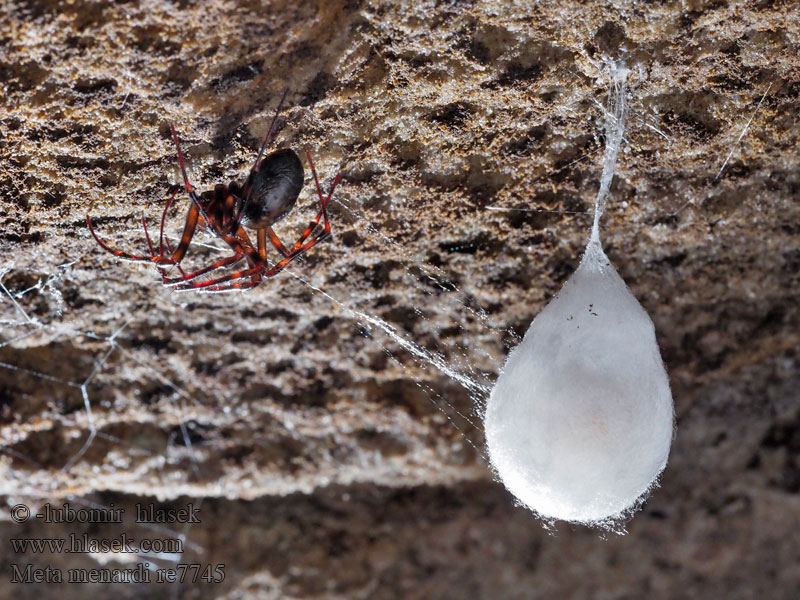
(285, 252)
(212, 284)
(270, 131)
(220, 263)
(187, 185)
(273, 238)
(227, 215)
(169, 249)
(242, 248)
(323, 201)
(119, 253)
(163, 218)
(276, 242)
(161, 238)
(230, 288)
(147, 237)
(161, 270)
(189, 229)
(257, 163)
(297, 251)
(159, 258)
(241, 244)
(281, 264)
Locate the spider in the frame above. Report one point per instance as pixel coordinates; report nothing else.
(268, 194)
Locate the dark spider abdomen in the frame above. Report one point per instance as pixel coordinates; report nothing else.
(273, 189)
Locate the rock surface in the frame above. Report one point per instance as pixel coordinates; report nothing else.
(329, 461)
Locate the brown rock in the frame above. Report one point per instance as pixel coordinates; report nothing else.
(330, 461)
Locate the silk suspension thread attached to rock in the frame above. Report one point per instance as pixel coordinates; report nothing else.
(580, 421)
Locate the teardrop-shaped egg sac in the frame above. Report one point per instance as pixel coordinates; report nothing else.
(580, 422)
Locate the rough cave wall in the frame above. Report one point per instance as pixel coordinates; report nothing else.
(329, 461)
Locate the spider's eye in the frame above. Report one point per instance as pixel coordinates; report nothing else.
(275, 187)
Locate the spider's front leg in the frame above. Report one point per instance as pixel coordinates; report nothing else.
(159, 259)
(135, 258)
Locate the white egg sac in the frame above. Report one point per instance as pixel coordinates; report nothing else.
(580, 422)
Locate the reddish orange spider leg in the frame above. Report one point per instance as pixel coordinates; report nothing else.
(119, 253)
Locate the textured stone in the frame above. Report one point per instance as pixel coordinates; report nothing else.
(326, 467)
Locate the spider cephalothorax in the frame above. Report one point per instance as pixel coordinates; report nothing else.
(269, 193)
